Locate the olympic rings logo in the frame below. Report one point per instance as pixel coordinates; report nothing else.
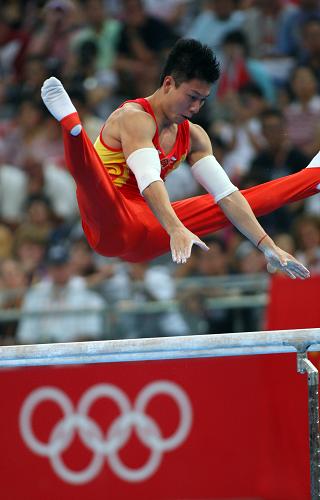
(108, 445)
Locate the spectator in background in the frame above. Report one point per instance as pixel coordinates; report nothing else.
(91, 121)
(293, 26)
(276, 159)
(241, 134)
(6, 242)
(59, 294)
(32, 236)
(287, 242)
(13, 186)
(144, 285)
(238, 68)
(59, 188)
(311, 47)
(37, 179)
(39, 218)
(13, 46)
(266, 26)
(248, 261)
(13, 283)
(53, 34)
(216, 19)
(30, 249)
(303, 114)
(177, 13)
(34, 70)
(307, 234)
(102, 30)
(143, 41)
(214, 263)
(27, 132)
(83, 263)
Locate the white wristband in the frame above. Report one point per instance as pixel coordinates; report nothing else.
(145, 165)
(209, 173)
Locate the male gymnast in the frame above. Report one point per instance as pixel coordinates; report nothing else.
(123, 201)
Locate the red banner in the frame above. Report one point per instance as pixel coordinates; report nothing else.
(221, 428)
(293, 303)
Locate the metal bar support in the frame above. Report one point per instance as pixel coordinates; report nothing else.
(305, 366)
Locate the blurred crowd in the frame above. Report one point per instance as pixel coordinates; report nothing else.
(263, 119)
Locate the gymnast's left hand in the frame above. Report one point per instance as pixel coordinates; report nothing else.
(279, 260)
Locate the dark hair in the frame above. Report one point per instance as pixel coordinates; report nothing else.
(251, 89)
(271, 112)
(190, 59)
(237, 37)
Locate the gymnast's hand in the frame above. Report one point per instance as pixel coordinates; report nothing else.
(279, 260)
(181, 242)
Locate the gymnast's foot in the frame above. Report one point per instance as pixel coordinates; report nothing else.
(59, 103)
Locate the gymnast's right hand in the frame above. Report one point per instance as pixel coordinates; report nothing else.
(181, 242)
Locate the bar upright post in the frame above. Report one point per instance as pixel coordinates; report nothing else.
(305, 366)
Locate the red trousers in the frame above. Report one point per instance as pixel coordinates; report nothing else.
(126, 228)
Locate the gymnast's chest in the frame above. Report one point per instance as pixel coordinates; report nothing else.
(167, 141)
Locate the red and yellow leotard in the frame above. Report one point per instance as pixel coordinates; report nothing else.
(114, 161)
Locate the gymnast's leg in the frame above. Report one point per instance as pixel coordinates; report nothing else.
(202, 216)
(108, 219)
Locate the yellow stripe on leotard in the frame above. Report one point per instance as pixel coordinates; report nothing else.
(115, 163)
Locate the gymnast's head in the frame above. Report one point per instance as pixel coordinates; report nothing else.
(187, 77)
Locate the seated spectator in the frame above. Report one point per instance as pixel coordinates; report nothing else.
(28, 130)
(266, 25)
(64, 309)
(38, 217)
(147, 284)
(13, 46)
(287, 242)
(84, 101)
(215, 20)
(240, 135)
(54, 184)
(29, 249)
(249, 260)
(34, 72)
(276, 159)
(13, 283)
(13, 187)
(6, 242)
(293, 26)
(83, 263)
(307, 235)
(143, 41)
(303, 113)
(53, 33)
(102, 30)
(214, 263)
(311, 47)
(238, 68)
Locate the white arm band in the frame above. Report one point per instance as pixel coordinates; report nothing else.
(209, 173)
(145, 165)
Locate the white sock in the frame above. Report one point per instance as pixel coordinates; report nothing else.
(56, 99)
(315, 162)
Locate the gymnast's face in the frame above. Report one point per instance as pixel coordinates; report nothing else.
(183, 101)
